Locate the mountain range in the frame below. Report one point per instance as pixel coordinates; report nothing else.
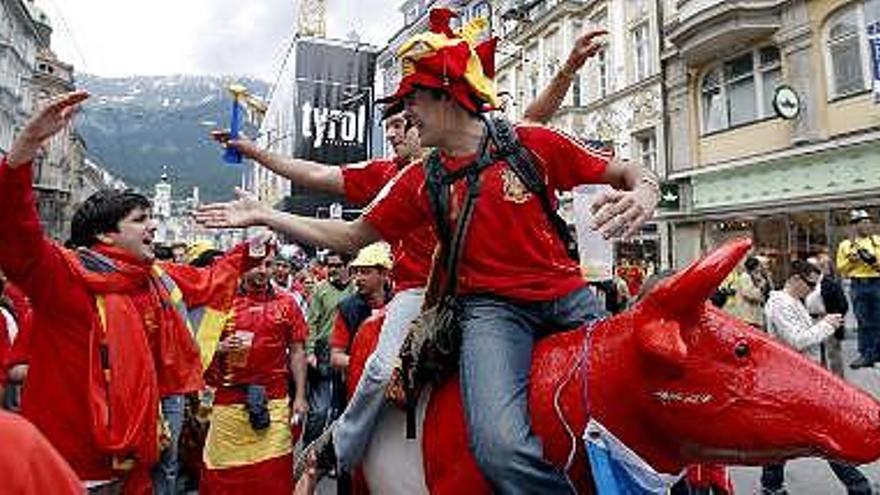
(140, 127)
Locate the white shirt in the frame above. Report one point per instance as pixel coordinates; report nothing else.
(789, 321)
(11, 325)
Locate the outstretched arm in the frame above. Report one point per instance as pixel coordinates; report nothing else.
(305, 173)
(28, 258)
(338, 235)
(45, 124)
(548, 102)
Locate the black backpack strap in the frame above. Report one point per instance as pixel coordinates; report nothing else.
(438, 183)
(522, 162)
(438, 194)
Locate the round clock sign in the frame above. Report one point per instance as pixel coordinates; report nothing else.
(786, 102)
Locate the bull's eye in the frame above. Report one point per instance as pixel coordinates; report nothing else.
(741, 350)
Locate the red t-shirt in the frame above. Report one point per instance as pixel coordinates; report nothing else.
(512, 248)
(29, 464)
(340, 337)
(273, 322)
(413, 252)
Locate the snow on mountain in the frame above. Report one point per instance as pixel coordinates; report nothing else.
(136, 125)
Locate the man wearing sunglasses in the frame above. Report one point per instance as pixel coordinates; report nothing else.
(789, 321)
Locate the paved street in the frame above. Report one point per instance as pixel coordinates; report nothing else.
(813, 476)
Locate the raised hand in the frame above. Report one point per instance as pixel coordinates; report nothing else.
(242, 212)
(622, 213)
(245, 146)
(48, 121)
(584, 47)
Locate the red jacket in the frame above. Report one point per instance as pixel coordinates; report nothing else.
(29, 464)
(58, 398)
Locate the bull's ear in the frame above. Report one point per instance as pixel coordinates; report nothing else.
(687, 291)
(662, 340)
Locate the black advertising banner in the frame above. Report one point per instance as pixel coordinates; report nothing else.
(332, 111)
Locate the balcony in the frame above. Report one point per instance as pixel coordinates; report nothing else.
(529, 17)
(700, 29)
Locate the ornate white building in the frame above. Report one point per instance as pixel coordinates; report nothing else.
(616, 97)
(20, 38)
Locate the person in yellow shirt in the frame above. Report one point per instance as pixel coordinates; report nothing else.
(857, 259)
(750, 290)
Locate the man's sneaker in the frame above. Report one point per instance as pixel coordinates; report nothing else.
(322, 449)
(861, 362)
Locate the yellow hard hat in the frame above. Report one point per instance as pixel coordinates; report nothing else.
(197, 249)
(376, 254)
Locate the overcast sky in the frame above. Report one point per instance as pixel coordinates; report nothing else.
(136, 37)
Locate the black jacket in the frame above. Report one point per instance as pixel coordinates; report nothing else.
(833, 297)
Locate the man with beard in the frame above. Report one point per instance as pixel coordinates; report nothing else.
(249, 444)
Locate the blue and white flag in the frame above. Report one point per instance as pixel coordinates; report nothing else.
(874, 45)
(617, 470)
(236, 119)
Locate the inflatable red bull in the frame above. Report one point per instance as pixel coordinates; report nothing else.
(669, 383)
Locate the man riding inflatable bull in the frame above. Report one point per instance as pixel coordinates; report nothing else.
(516, 280)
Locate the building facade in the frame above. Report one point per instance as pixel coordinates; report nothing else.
(774, 132)
(20, 39)
(56, 168)
(30, 74)
(615, 98)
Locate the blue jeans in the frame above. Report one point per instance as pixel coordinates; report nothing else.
(866, 306)
(165, 472)
(496, 356)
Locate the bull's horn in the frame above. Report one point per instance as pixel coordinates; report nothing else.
(689, 289)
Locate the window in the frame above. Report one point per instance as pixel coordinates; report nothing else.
(481, 10)
(602, 63)
(551, 54)
(602, 60)
(846, 51)
(646, 149)
(577, 28)
(505, 93)
(411, 14)
(641, 51)
(532, 69)
(519, 83)
(533, 86)
(741, 89)
(576, 91)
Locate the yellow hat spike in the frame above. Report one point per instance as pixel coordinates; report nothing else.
(237, 90)
(472, 30)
